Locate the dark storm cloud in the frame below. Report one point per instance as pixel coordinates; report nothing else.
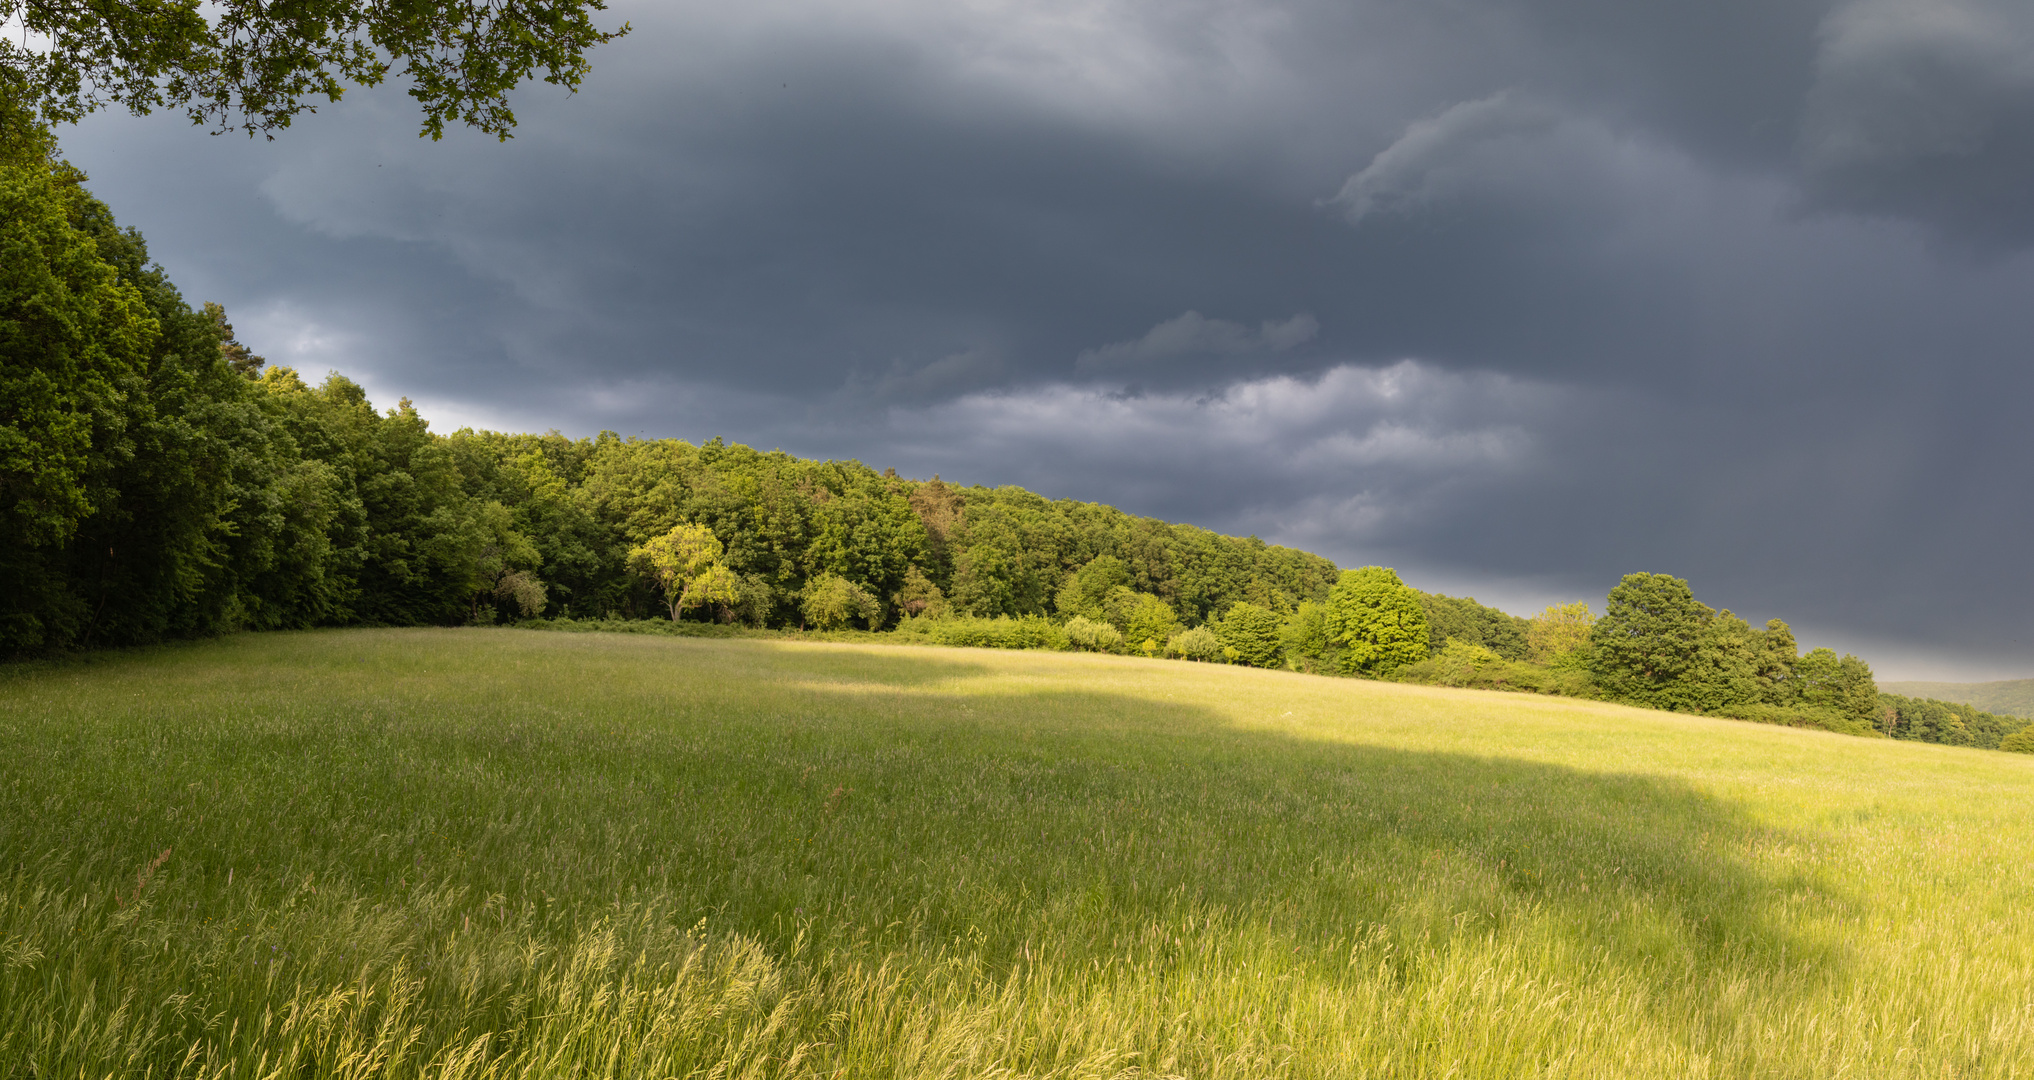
(1927, 111)
(1515, 294)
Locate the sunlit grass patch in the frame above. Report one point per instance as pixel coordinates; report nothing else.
(500, 853)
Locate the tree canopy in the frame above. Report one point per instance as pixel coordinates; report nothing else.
(1378, 620)
(257, 65)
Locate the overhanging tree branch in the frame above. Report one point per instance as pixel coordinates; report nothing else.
(256, 64)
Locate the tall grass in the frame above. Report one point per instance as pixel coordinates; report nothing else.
(500, 853)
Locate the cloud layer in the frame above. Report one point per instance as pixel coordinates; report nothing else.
(1517, 295)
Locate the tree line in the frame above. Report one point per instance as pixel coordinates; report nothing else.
(160, 480)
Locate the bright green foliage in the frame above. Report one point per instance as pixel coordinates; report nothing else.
(1777, 655)
(830, 601)
(1001, 632)
(1089, 635)
(1253, 632)
(1140, 616)
(266, 63)
(1462, 664)
(685, 565)
(1378, 620)
(202, 512)
(1559, 635)
(1657, 646)
(1725, 668)
(1309, 644)
(74, 339)
(158, 480)
(1197, 643)
(1463, 619)
(2019, 742)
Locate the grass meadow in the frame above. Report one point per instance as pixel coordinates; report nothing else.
(468, 853)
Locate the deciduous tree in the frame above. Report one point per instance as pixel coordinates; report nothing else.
(1558, 632)
(680, 562)
(1379, 621)
(1251, 631)
(1645, 643)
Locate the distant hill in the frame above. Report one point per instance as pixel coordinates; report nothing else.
(2007, 697)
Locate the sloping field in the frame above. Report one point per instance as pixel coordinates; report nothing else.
(472, 853)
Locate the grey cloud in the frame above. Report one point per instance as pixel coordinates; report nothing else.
(1926, 111)
(1193, 334)
(939, 380)
(1335, 460)
(1469, 144)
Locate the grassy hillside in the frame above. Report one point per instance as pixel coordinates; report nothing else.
(2008, 697)
(490, 852)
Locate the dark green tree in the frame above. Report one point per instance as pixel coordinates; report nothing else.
(1843, 685)
(1725, 668)
(1087, 589)
(1463, 619)
(1645, 644)
(237, 356)
(1778, 653)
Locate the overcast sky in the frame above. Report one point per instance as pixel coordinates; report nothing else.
(1513, 295)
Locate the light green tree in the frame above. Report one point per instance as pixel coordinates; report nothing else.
(1198, 643)
(830, 600)
(1306, 639)
(1558, 633)
(1379, 620)
(685, 565)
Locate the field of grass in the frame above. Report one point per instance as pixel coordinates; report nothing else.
(501, 853)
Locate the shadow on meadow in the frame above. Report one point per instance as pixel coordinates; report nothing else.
(1080, 815)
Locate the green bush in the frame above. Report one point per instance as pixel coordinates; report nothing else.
(1088, 635)
(2019, 742)
(1199, 643)
(1002, 632)
(1462, 664)
(1801, 716)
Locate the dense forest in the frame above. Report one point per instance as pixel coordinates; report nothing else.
(159, 480)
